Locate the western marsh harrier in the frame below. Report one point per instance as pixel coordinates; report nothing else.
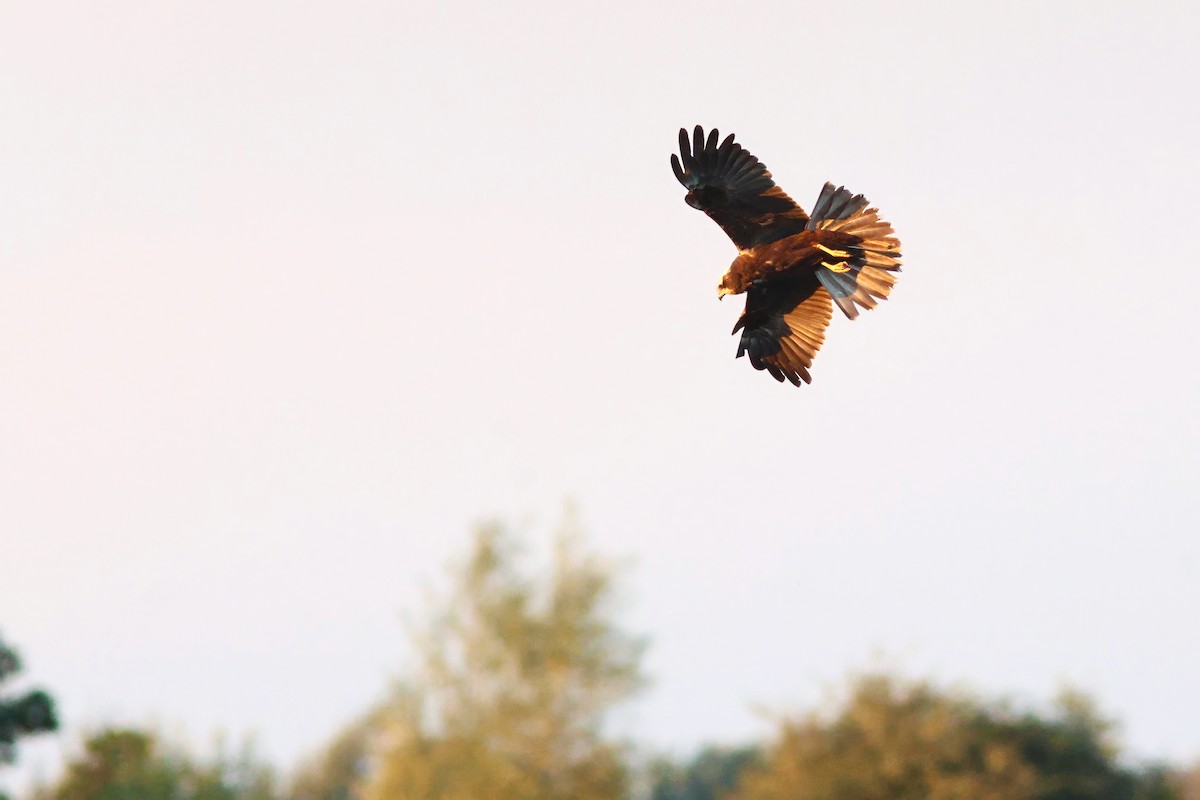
(793, 267)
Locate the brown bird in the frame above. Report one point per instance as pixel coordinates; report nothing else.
(791, 266)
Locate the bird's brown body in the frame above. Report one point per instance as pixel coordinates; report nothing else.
(792, 267)
(798, 251)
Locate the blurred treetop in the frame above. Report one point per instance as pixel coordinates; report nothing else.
(21, 715)
(517, 676)
(910, 741)
(124, 764)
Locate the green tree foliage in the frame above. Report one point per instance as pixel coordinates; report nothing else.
(21, 715)
(516, 679)
(121, 764)
(895, 741)
(708, 776)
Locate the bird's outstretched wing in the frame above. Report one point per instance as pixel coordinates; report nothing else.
(784, 324)
(735, 189)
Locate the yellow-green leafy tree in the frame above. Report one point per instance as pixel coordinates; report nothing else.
(911, 741)
(125, 764)
(516, 679)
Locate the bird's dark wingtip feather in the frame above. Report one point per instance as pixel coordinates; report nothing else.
(678, 169)
(725, 152)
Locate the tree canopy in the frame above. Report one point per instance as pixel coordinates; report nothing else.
(910, 741)
(516, 679)
(710, 775)
(126, 764)
(21, 715)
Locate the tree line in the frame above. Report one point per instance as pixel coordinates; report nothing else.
(518, 673)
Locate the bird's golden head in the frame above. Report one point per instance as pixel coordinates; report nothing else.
(738, 277)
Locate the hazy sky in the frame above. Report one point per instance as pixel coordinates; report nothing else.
(291, 295)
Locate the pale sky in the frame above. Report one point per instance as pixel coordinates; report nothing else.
(292, 295)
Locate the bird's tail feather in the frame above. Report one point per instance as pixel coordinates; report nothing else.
(859, 268)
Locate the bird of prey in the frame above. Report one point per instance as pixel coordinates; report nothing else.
(792, 266)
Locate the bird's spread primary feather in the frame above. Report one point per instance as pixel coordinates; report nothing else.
(735, 189)
(792, 267)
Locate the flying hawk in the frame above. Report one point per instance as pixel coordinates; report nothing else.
(791, 266)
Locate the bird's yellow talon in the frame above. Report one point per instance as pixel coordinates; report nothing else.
(835, 267)
(834, 253)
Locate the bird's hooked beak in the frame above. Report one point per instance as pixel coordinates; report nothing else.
(723, 290)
